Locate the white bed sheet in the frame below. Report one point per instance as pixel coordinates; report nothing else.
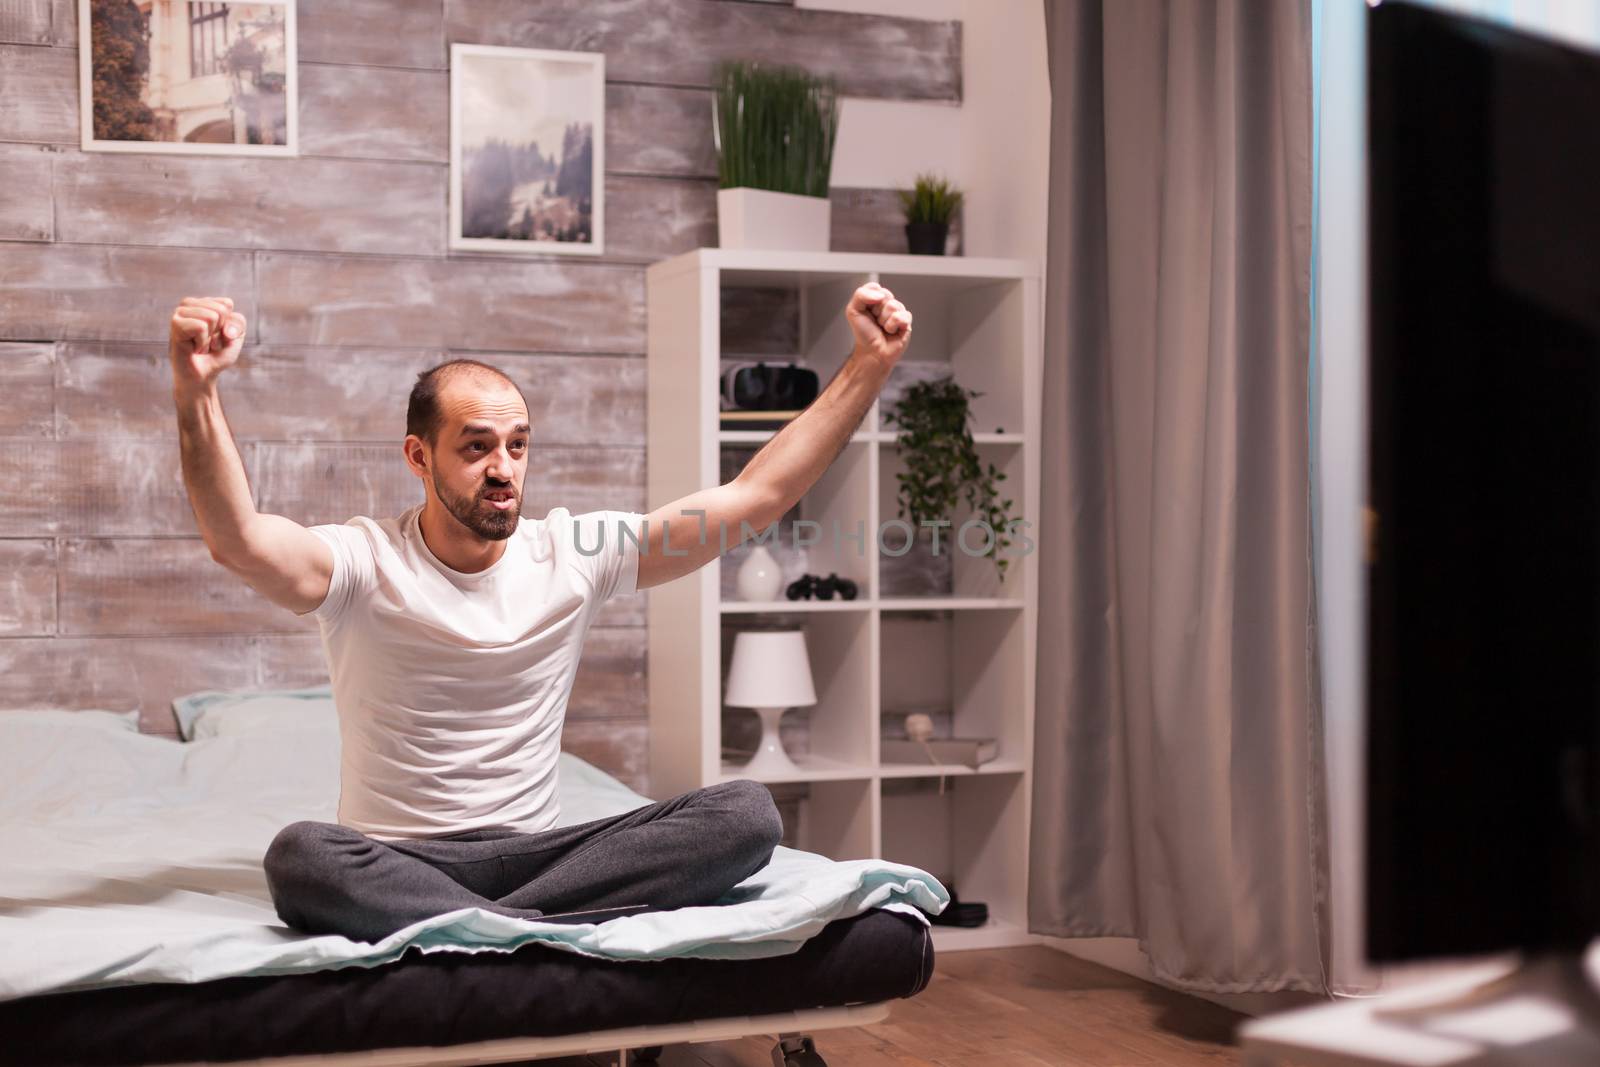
(127, 858)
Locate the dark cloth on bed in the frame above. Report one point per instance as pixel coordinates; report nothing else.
(683, 852)
(426, 1000)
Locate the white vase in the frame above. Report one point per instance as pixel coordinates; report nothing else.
(761, 218)
(760, 577)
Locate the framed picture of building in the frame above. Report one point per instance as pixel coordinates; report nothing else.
(527, 150)
(188, 77)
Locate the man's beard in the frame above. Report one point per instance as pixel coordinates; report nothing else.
(478, 515)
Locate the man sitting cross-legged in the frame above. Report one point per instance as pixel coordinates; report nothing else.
(453, 632)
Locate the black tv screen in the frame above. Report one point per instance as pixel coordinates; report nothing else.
(1483, 555)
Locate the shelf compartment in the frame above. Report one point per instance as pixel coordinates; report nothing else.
(834, 517)
(831, 817)
(957, 566)
(973, 329)
(789, 800)
(838, 820)
(834, 734)
(758, 321)
(973, 837)
(962, 668)
(786, 316)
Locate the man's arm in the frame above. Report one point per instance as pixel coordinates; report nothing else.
(786, 468)
(280, 559)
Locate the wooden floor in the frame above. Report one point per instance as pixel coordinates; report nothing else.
(1017, 1007)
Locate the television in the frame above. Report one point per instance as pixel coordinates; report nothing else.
(1483, 522)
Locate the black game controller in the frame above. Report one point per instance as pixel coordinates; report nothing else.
(809, 585)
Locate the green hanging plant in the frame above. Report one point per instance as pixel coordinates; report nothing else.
(943, 465)
(774, 127)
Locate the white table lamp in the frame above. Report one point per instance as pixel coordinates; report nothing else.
(770, 673)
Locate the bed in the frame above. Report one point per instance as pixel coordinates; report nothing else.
(136, 927)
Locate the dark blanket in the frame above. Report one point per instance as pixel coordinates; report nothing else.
(447, 998)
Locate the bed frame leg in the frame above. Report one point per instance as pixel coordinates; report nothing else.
(796, 1050)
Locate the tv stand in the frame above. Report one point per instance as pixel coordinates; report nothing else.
(1542, 1009)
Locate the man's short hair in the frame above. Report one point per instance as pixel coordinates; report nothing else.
(423, 417)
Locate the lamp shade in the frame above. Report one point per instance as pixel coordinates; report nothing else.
(770, 669)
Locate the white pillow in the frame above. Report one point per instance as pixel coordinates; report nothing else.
(93, 719)
(60, 764)
(221, 714)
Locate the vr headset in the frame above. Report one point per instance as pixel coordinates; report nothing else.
(760, 387)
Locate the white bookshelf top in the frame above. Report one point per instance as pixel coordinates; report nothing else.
(772, 266)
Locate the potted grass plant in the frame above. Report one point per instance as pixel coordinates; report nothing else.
(775, 129)
(929, 206)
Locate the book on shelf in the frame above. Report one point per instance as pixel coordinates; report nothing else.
(732, 419)
(966, 751)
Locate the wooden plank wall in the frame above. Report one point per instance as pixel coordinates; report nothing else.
(338, 258)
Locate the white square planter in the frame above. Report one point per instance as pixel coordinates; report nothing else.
(761, 218)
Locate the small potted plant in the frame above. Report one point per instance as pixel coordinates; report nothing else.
(943, 464)
(929, 207)
(775, 129)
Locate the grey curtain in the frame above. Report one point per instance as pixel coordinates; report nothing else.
(1178, 793)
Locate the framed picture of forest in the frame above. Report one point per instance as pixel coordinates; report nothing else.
(527, 150)
(187, 77)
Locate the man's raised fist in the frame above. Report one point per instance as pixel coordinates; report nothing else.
(207, 335)
(881, 324)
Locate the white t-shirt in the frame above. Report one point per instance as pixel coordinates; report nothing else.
(451, 687)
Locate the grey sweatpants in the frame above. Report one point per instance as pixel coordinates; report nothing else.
(683, 852)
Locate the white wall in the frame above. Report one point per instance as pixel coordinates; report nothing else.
(1338, 347)
(995, 145)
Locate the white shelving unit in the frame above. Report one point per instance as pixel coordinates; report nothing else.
(964, 651)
